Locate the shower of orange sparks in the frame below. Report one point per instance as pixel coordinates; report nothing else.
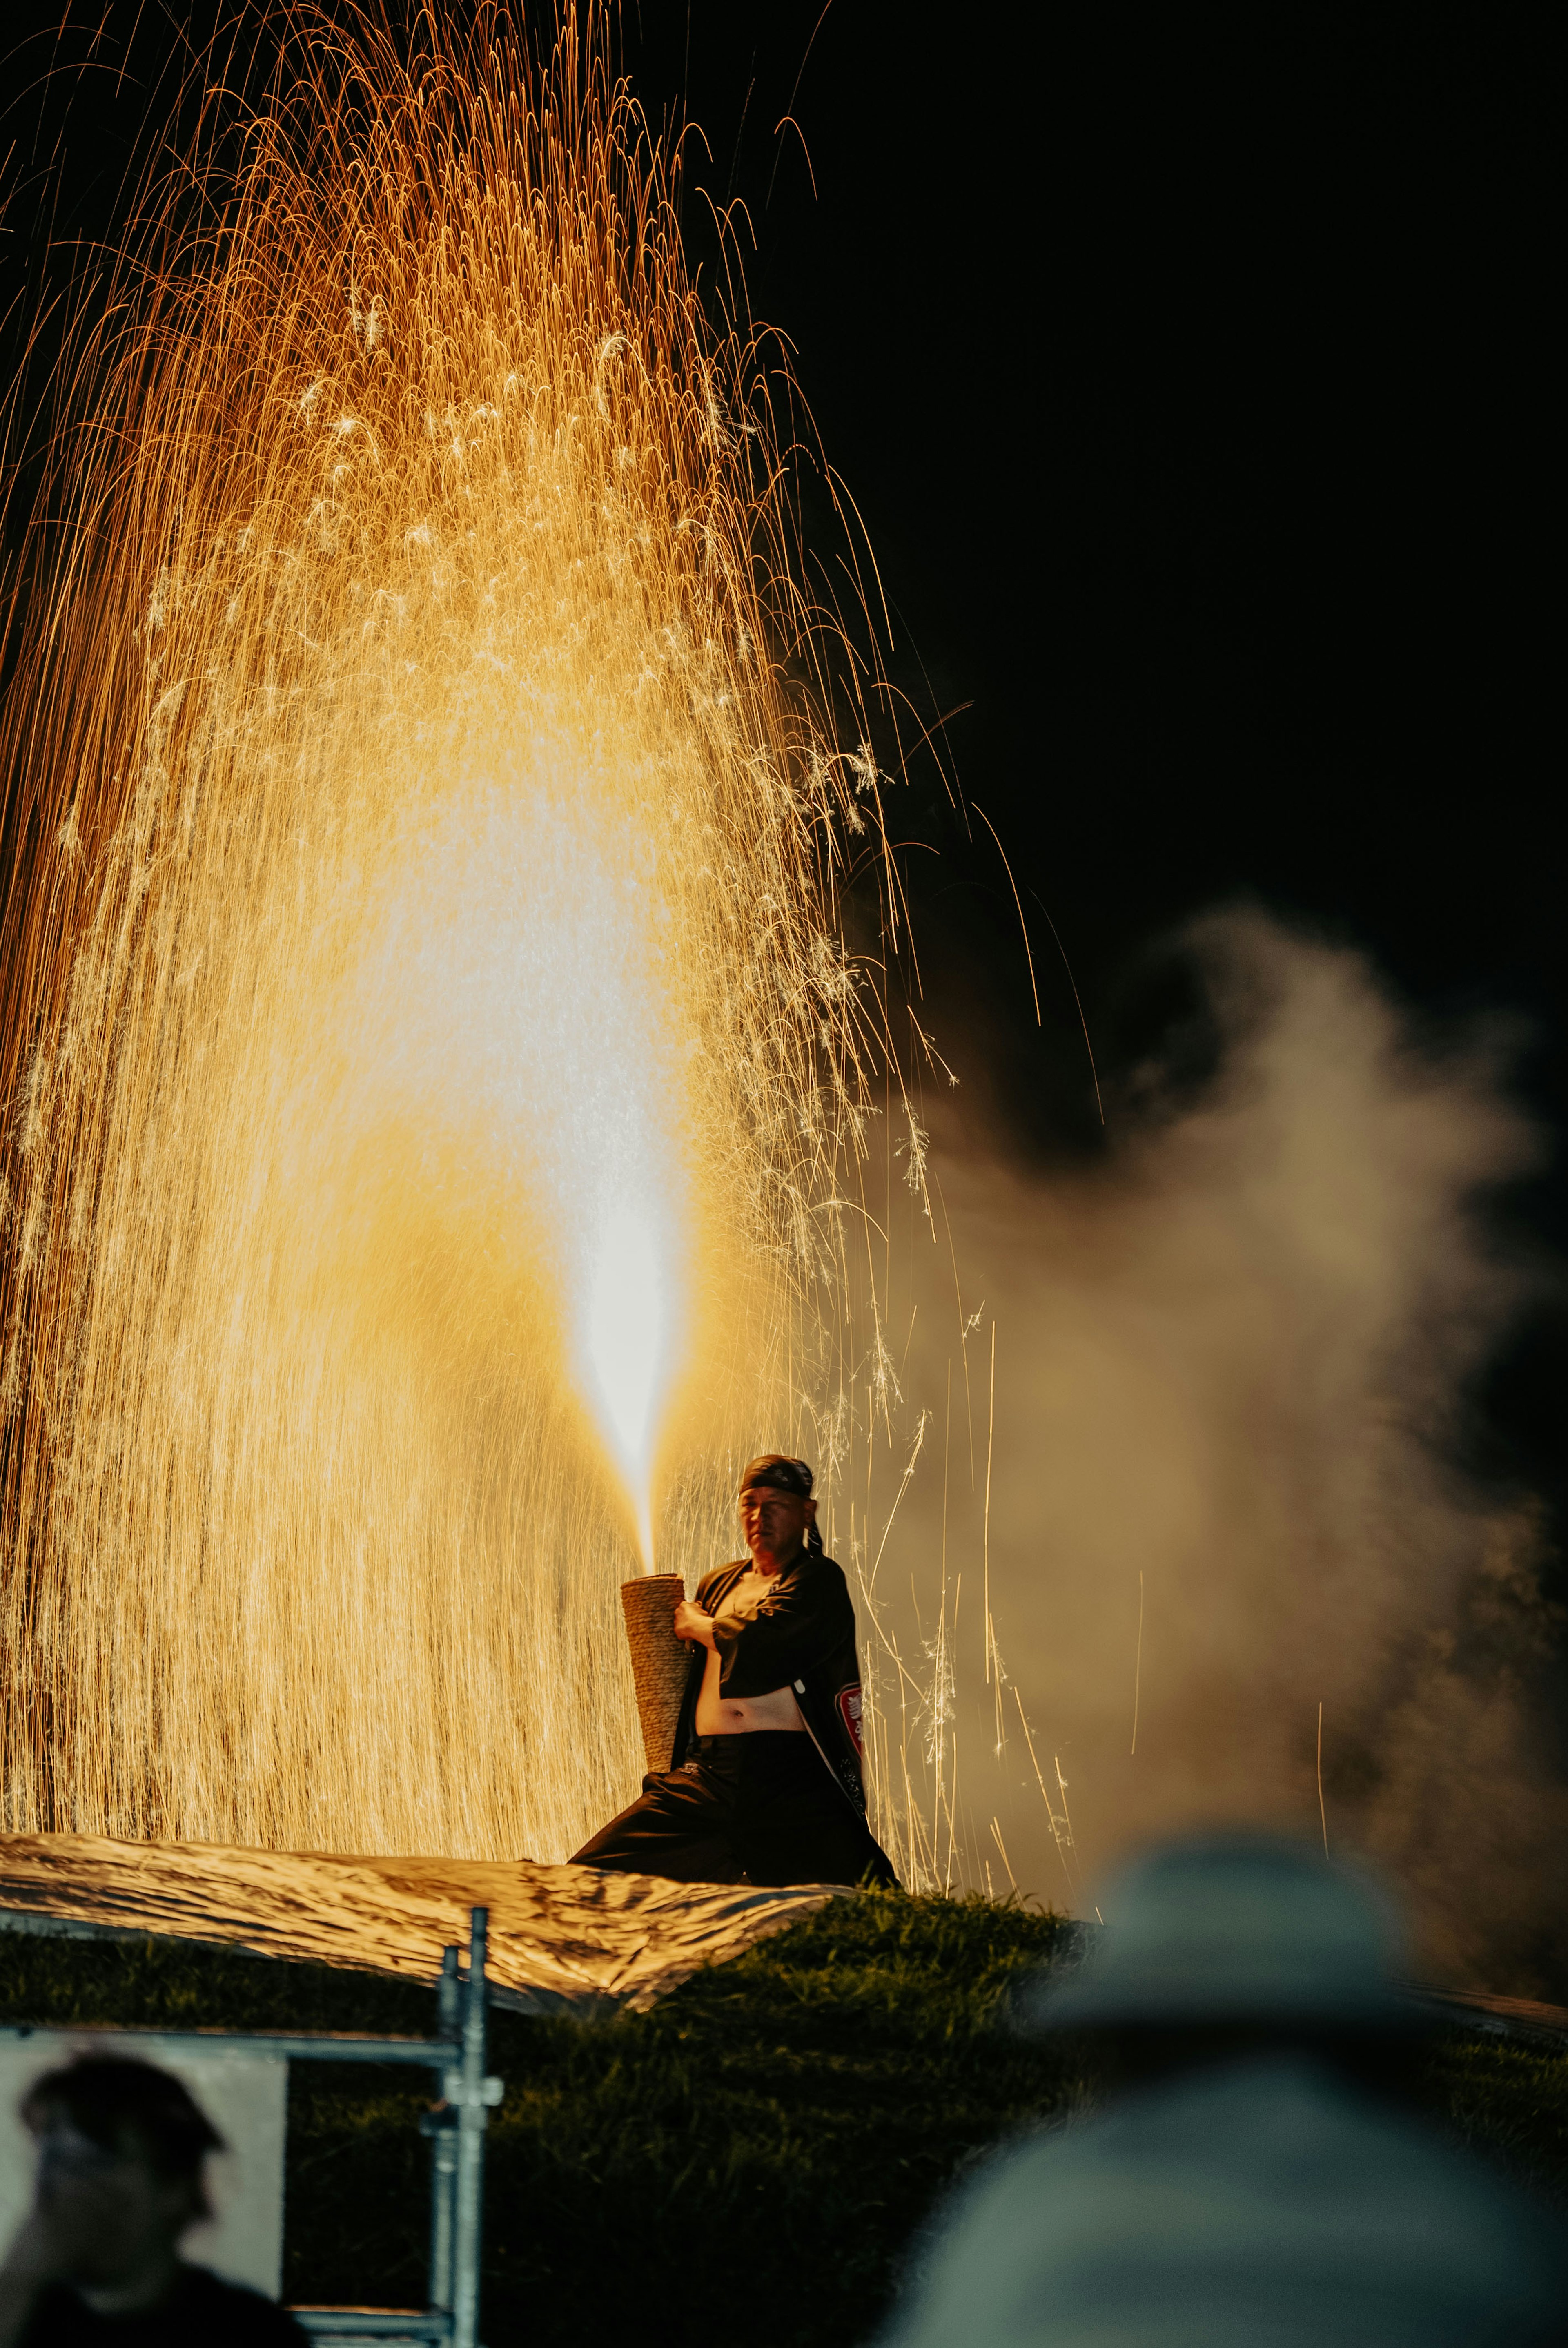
(429, 974)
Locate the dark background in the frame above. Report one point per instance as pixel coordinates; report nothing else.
(1189, 370)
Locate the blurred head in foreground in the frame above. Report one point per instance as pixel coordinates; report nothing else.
(1259, 2176)
(1222, 1944)
(134, 2136)
(122, 2151)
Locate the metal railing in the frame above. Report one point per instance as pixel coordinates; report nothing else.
(455, 2127)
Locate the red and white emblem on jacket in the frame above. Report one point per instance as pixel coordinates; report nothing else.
(851, 1704)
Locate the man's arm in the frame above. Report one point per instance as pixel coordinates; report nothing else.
(694, 1616)
(690, 1623)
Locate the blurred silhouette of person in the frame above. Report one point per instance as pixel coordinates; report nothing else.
(121, 2153)
(1262, 2176)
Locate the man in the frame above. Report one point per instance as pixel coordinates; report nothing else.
(767, 1784)
(96, 2263)
(1263, 2175)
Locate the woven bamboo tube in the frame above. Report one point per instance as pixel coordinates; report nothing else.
(660, 1661)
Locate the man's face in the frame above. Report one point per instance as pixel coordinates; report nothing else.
(774, 1523)
(109, 2213)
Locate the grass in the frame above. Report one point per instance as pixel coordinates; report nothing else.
(757, 2151)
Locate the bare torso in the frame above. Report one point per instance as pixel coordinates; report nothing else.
(722, 1716)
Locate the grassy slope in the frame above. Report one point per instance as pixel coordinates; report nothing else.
(757, 2150)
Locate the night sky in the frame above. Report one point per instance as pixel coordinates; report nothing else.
(1189, 371)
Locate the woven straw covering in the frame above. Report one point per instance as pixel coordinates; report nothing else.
(563, 1940)
(660, 1661)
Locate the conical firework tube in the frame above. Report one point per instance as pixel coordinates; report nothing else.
(660, 1661)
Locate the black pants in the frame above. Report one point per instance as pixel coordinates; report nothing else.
(757, 1809)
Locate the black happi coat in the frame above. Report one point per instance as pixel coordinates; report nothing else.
(802, 1637)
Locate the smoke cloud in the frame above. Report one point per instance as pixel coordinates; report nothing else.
(1231, 1370)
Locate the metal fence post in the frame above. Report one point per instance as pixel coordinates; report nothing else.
(441, 2126)
(456, 2054)
(475, 2092)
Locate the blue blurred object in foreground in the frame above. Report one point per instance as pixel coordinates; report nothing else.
(1250, 2189)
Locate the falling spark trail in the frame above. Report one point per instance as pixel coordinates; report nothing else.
(1322, 1813)
(997, 1837)
(1061, 1829)
(1078, 1000)
(1023, 925)
(1138, 1664)
(986, 1519)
